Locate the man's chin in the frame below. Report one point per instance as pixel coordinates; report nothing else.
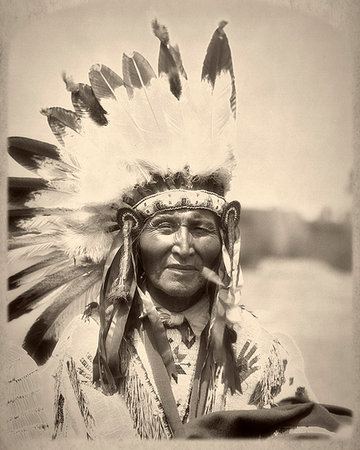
(176, 289)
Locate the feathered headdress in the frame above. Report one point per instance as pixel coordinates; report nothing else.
(133, 146)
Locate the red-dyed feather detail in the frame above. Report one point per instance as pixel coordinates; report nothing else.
(35, 155)
(28, 300)
(16, 280)
(84, 101)
(218, 59)
(169, 59)
(137, 72)
(104, 81)
(43, 335)
(22, 190)
(60, 120)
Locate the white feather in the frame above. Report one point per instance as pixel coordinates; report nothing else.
(30, 251)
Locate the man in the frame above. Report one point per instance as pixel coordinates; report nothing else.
(131, 216)
(168, 372)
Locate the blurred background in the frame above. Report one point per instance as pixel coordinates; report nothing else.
(297, 280)
(294, 89)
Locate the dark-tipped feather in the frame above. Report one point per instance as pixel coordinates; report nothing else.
(137, 72)
(167, 65)
(34, 155)
(25, 150)
(22, 190)
(170, 62)
(15, 216)
(42, 337)
(26, 302)
(84, 101)
(104, 81)
(217, 60)
(16, 280)
(60, 120)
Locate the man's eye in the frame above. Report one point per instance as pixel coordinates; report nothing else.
(165, 226)
(201, 230)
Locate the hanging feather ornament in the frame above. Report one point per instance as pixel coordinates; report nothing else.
(117, 293)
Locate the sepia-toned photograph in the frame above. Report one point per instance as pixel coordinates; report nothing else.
(178, 251)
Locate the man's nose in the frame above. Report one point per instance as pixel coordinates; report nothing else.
(183, 245)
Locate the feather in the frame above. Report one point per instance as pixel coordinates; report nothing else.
(22, 190)
(104, 82)
(138, 73)
(18, 218)
(218, 60)
(37, 270)
(25, 193)
(28, 300)
(84, 101)
(39, 157)
(40, 249)
(60, 120)
(42, 337)
(170, 62)
(30, 239)
(23, 398)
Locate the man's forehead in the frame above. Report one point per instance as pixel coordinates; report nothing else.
(187, 214)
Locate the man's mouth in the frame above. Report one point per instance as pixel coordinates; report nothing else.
(181, 267)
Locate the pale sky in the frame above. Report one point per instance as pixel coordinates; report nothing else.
(293, 78)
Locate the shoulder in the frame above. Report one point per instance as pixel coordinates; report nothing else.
(271, 365)
(250, 331)
(296, 383)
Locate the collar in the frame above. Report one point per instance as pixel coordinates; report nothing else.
(198, 315)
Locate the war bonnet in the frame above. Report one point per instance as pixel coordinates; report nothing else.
(133, 146)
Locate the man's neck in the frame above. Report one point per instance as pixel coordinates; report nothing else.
(173, 303)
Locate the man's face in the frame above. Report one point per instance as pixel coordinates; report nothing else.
(175, 246)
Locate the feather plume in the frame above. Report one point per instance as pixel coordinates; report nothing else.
(33, 219)
(109, 89)
(26, 416)
(28, 300)
(42, 337)
(138, 73)
(81, 235)
(36, 271)
(40, 249)
(84, 101)
(218, 60)
(39, 157)
(21, 190)
(104, 82)
(60, 120)
(29, 240)
(23, 193)
(169, 62)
